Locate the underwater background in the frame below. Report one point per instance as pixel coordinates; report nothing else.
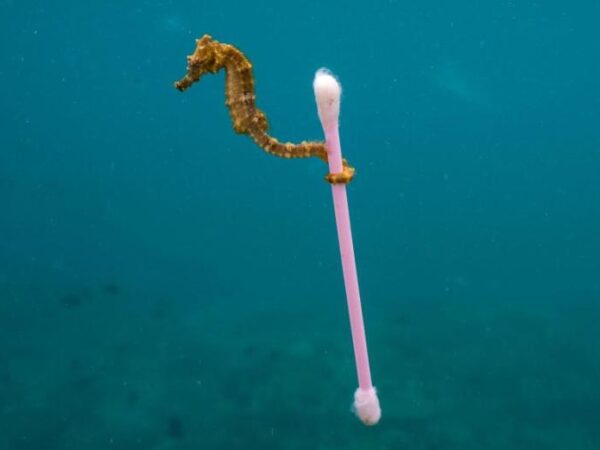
(165, 284)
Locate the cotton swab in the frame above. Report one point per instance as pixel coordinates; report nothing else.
(327, 94)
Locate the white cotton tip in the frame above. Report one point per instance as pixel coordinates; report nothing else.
(327, 93)
(366, 406)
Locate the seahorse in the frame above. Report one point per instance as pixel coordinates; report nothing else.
(210, 56)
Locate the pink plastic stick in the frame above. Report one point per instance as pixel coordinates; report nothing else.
(327, 92)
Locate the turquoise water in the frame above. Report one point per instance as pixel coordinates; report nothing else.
(165, 284)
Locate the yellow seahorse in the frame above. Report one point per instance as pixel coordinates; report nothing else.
(211, 56)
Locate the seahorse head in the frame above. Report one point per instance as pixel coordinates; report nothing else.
(206, 57)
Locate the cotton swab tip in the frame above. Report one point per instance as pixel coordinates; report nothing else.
(327, 93)
(366, 406)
